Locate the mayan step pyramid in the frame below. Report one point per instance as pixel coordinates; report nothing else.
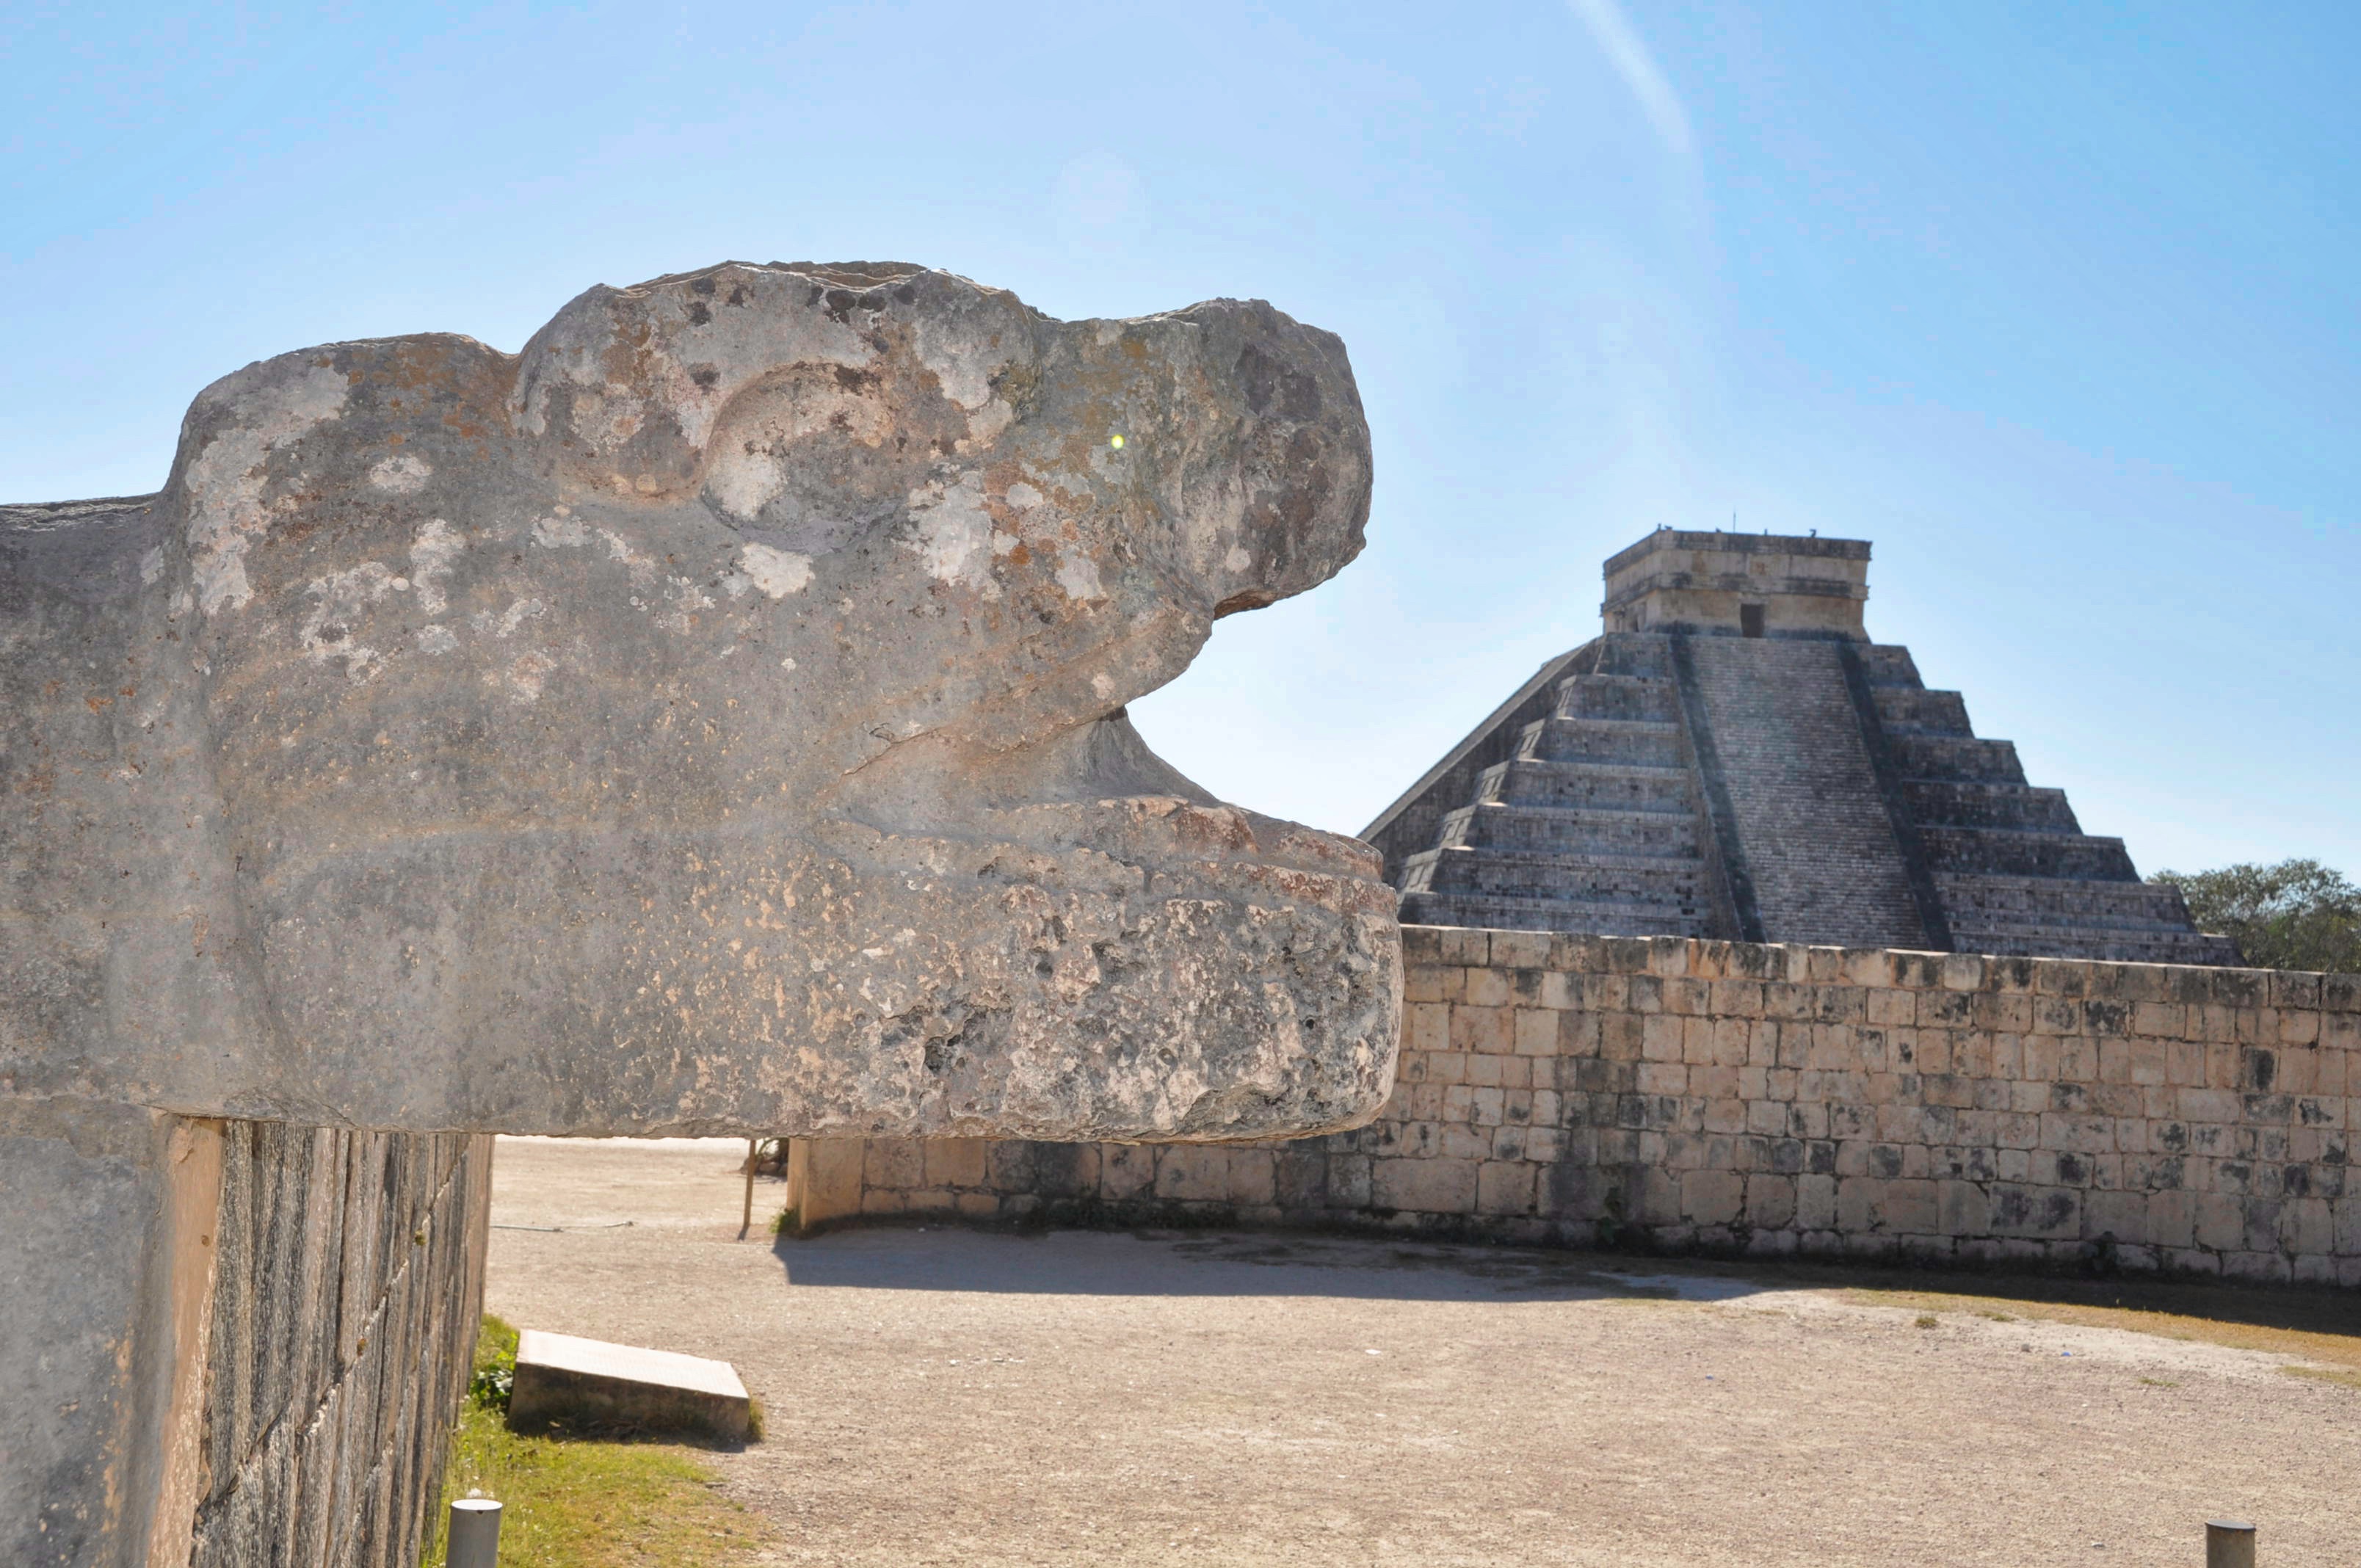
(1734, 758)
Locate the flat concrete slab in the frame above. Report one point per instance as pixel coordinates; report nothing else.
(590, 1383)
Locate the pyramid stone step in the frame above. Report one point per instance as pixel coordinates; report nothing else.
(1968, 803)
(1606, 919)
(2060, 901)
(1955, 757)
(1888, 664)
(1619, 696)
(1653, 742)
(1560, 830)
(1629, 654)
(1494, 873)
(1914, 710)
(1626, 787)
(2022, 852)
(2150, 945)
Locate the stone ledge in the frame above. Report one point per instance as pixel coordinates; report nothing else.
(589, 1383)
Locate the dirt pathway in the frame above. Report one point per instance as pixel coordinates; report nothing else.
(944, 1396)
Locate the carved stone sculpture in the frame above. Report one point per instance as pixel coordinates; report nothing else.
(708, 720)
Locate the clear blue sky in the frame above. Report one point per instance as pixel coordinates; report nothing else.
(2055, 303)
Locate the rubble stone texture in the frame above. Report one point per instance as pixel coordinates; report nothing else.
(707, 720)
(1734, 758)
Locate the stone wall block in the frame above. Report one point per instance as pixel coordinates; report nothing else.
(1962, 971)
(1483, 1029)
(1712, 1197)
(1770, 1201)
(955, 1162)
(1505, 1187)
(2064, 977)
(1519, 951)
(1126, 1171)
(1816, 1203)
(1426, 1186)
(1423, 946)
(2307, 1225)
(2292, 988)
(896, 1164)
(1585, 1034)
(1253, 1176)
(1468, 948)
(1576, 953)
(1190, 1173)
(1427, 1026)
(1488, 988)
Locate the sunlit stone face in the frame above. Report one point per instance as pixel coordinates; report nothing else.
(710, 717)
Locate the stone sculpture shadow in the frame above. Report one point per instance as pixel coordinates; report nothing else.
(908, 1256)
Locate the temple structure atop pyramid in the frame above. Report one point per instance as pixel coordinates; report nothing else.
(1733, 757)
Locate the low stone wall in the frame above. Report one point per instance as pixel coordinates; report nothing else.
(1766, 1100)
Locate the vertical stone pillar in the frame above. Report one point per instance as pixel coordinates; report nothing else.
(823, 1181)
(228, 1342)
(106, 1263)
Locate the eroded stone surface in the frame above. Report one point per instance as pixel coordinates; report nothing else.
(709, 719)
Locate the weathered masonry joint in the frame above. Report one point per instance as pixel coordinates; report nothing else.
(1770, 1101)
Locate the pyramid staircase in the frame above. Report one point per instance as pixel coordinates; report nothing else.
(2012, 869)
(1590, 824)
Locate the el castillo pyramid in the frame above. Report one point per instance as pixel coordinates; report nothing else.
(1733, 757)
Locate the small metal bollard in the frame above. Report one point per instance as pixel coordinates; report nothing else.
(2228, 1544)
(476, 1534)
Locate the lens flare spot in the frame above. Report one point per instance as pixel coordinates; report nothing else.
(1115, 442)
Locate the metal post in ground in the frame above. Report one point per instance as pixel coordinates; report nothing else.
(753, 1147)
(2228, 1544)
(476, 1533)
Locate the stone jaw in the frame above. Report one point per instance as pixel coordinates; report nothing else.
(708, 720)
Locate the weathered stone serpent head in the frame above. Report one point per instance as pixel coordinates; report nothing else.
(710, 719)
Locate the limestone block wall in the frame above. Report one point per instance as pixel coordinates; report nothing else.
(1768, 1100)
(229, 1345)
(341, 1328)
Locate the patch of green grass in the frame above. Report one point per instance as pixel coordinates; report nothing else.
(494, 1377)
(2345, 1377)
(581, 1503)
(1929, 1320)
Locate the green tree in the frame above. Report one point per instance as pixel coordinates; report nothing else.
(2297, 914)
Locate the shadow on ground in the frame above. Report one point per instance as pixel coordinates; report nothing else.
(1154, 1263)
(1199, 1263)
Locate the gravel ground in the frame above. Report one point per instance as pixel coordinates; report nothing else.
(947, 1396)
